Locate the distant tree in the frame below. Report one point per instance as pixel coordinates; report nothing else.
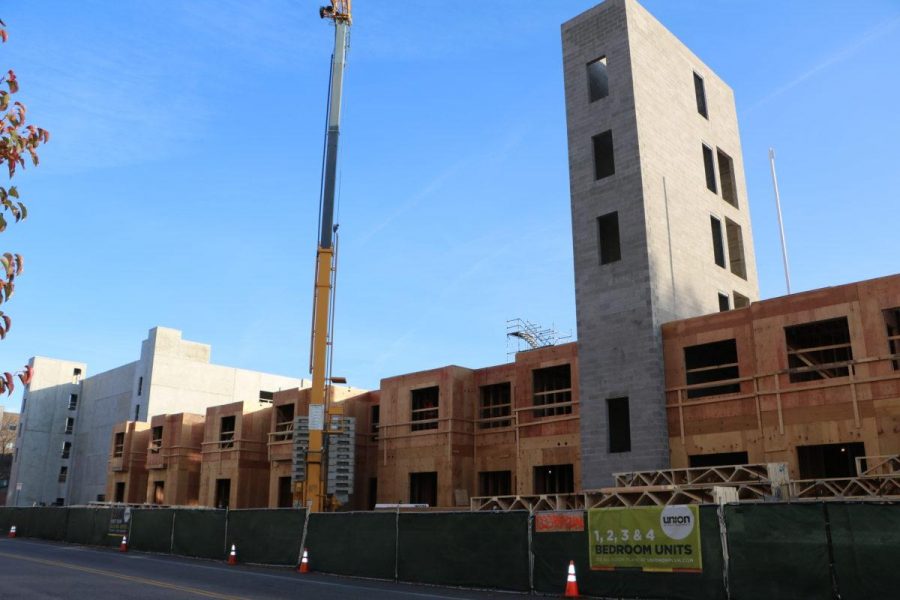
(17, 140)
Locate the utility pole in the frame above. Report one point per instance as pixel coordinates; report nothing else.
(784, 256)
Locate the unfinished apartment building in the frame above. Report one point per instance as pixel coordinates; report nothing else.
(660, 220)
(173, 459)
(811, 380)
(448, 434)
(127, 476)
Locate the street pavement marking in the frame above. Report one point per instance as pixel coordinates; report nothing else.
(153, 582)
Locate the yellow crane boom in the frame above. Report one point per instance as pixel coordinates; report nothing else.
(314, 493)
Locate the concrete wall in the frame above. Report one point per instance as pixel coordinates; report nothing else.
(173, 375)
(106, 400)
(42, 423)
(658, 189)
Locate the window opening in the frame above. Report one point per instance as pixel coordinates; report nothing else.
(226, 432)
(726, 176)
(76, 375)
(423, 488)
(826, 461)
(554, 479)
(425, 408)
(120, 491)
(70, 425)
(495, 483)
(700, 93)
(374, 421)
(159, 492)
(284, 423)
(156, 439)
(735, 248)
(552, 388)
(608, 238)
(140, 386)
(819, 350)
(707, 364)
(267, 397)
(740, 300)
(598, 79)
(892, 324)
(285, 493)
(63, 474)
(119, 445)
(604, 162)
(718, 459)
(723, 302)
(66, 450)
(619, 422)
(223, 493)
(73, 401)
(718, 245)
(496, 406)
(709, 168)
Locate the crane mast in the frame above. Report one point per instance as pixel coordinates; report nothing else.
(314, 492)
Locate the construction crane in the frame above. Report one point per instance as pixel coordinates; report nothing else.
(314, 494)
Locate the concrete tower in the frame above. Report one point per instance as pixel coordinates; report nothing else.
(660, 220)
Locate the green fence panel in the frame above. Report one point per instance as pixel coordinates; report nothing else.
(866, 543)
(151, 529)
(21, 518)
(777, 551)
(266, 536)
(554, 550)
(466, 549)
(89, 526)
(199, 533)
(6, 516)
(361, 544)
(48, 523)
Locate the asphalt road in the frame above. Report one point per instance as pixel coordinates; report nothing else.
(39, 570)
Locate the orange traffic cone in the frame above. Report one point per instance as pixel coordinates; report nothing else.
(12, 531)
(571, 584)
(304, 563)
(232, 557)
(123, 547)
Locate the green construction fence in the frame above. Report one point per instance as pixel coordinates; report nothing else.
(471, 549)
(266, 536)
(199, 533)
(151, 529)
(771, 550)
(360, 544)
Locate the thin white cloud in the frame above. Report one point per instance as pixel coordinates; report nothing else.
(844, 53)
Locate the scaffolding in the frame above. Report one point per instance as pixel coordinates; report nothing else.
(526, 335)
(763, 482)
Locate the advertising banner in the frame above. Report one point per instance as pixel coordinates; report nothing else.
(652, 538)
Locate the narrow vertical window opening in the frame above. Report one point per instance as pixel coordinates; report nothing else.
(598, 81)
(608, 238)
(604, 163)
(700, 92)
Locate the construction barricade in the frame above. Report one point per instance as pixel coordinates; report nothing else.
(89, 526)
(266, 536)
(554, 547)
(486, 550)
(151, 530)
(865, 541)
(360, 544)
(777, 551)
(199, 533)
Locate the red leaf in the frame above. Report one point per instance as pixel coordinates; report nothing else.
(26, 375)
(10, 384)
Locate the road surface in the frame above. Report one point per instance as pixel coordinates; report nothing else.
(39, 570)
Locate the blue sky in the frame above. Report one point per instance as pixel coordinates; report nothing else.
(181, 184)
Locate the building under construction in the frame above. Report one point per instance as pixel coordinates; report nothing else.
(681, 379)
